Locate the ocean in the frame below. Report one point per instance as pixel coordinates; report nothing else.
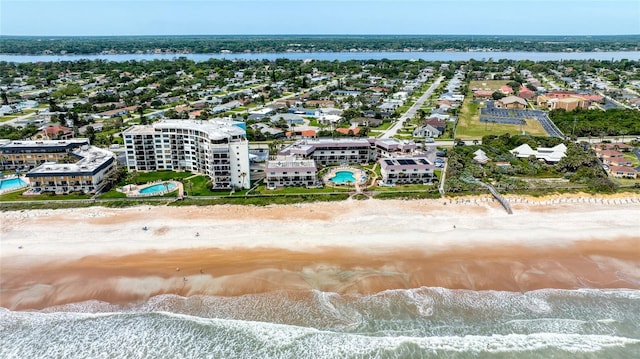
(424, 322)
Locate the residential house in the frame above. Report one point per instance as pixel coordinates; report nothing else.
(485, 94)
(54, 132)
(525, 93)
(623, 172)
(426, 130)
(329, 119)
(304, 111)
(348, 131)
(268, 131)
(320, 103)
(290, 118)
(301, 134)
(366, 121)
(438, 123)
(506, 90)
(613, 158)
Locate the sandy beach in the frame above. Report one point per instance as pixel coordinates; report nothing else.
(53, 257)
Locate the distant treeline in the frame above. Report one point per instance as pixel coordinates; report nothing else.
(310, 43)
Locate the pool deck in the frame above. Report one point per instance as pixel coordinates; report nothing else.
(132, 190)
(8, 190)
(358, 174)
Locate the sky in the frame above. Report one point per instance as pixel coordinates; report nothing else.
(244, 17)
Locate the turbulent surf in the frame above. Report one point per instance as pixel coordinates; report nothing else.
(422, 322)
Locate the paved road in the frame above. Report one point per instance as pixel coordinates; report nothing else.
(554, 86)
(594, 139)
(412, 110)
(14, 122)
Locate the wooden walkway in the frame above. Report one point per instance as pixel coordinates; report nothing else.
(503, 201)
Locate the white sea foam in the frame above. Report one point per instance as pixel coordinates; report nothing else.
(398, 323)
(173, 335)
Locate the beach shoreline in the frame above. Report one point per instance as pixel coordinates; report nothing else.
(55, 257)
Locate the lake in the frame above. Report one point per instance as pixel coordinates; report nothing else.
(343, 56)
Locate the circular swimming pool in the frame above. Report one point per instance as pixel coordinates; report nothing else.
(342, 177)
(158, 188)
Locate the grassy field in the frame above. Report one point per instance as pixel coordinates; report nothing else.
(487, 85)
(469, 126)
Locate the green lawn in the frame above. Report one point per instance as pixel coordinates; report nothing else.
(198, 186)
(299, 190)
(112, 194)
(264, 200)
(17, 196)
(146, 177)
(383, 126)
(313, 121)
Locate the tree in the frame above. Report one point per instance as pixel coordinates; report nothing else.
(140, 111)
(90, 133)
(496, 95)
(5, 100)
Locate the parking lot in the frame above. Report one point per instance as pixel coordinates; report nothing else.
(492, 114)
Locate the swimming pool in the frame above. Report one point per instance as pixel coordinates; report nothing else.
(343, 177)
(12, 183)
(158, 188)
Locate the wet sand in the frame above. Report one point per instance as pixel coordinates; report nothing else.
(65, 256)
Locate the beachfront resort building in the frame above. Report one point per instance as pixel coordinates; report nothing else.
(218, 149)
(285, 171)
(90, 173)
(18, 155)
(345, 151)
(403, 170)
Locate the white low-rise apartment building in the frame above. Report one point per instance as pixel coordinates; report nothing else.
(404, 170)
(90, 174)
(284, 171)
(30, 154)
(218, 149)
(349, 150)
(332, 151)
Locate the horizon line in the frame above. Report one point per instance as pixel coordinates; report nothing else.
(337, 35)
